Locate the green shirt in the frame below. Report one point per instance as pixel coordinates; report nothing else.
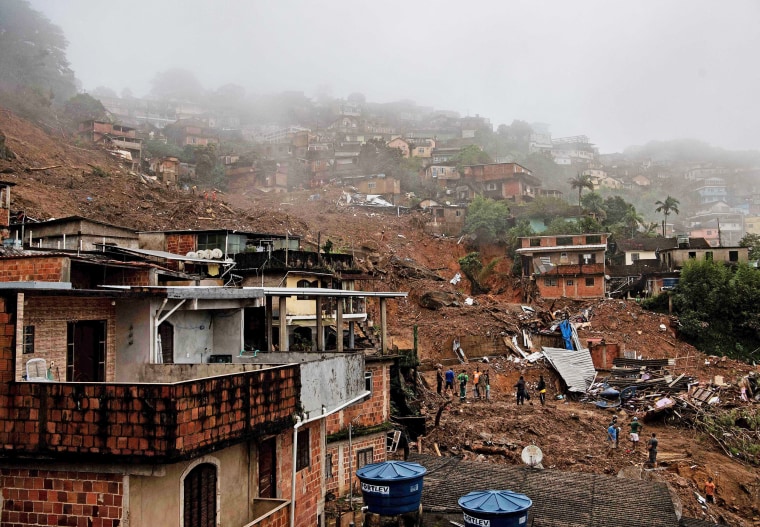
(463, 378)
(635, 427)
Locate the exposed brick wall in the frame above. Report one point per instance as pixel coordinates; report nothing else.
(35, 268)
(180, 243)
(309, 498)
(45, 497)
(341, 475)
(49, 315)
(145, 422)
(371, 412)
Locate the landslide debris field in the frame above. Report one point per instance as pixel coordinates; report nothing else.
(55, 178)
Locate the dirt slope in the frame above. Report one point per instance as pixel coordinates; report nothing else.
(571, 434)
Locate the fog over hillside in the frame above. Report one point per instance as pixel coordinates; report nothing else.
(621, 73)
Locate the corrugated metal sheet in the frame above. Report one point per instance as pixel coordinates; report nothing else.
(575, 367)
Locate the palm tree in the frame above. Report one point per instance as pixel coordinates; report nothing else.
(580, 182)
(632, 219)
(666, 207)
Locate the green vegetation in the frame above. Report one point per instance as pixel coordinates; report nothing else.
(753, 242)
(717, 308)
(667, 207)
(35, 71)
(487, 219)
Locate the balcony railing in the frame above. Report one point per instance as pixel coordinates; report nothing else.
(295, 260)
(147, 422)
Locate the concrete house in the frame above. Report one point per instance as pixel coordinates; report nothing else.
(508, 181)
(167, 169)
(121, 140)
(401, 144)
(142, 405)
(565, 266)
(72, 233)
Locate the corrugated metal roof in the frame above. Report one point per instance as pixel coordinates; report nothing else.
(575, 367)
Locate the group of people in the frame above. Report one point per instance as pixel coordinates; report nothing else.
(481, 383)
(523, 394)
(613, 438)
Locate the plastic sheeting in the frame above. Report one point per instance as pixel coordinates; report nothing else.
(575, 367)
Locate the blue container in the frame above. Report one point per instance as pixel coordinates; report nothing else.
(495, 508)
(392, 487)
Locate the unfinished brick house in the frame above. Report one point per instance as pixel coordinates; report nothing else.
(507, 181)
(570, 266)
(136, 406)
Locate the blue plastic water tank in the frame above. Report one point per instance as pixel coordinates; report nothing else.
(391, 487)
(495, 508)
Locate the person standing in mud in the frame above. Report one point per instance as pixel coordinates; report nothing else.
(476, 383)
(450, 380)
(652, 448)
(438, 380)
(520, 390)
(486, 380)
(541, 387)
(463, 378)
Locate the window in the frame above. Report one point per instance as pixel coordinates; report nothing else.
(570, 282)
(708, 255)
(593, 238)
(211, 241)
(564, 240)
(371, 185)
(303, 459)
(550, 282)
(587, 258)
(328, 466)
(589, 282)
(490, 186)
(535, 242)
(368, 381)
(733, 256)
(364, 457)
(635, 257)
(692, 255)
(458, 213)
(199, 498)
(28, 339)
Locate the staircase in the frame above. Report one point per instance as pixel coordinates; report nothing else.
(369, 333)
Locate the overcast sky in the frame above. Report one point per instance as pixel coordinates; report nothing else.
(620, 72)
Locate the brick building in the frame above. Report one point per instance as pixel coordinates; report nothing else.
(142, 410)
(508, 181)
(565, 266)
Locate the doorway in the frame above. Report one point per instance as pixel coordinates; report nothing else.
(86, 351)
(268, 468)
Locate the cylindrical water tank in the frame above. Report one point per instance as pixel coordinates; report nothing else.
(495, 508)
(392, 487)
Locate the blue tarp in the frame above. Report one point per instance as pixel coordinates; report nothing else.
(567, 333)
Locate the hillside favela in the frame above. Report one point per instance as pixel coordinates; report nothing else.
(487, 264)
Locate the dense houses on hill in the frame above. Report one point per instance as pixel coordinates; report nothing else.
(348, 146)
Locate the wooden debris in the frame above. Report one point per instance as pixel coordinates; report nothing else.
(46, 168)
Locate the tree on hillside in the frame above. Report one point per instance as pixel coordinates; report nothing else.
(471, 155)
(667, 207)
(753, 242)
(594, 204)
(83, 107)
(632, 220)
(580, 182)
(616, 208)
(177, 84)
(35, 71)
(488, 219)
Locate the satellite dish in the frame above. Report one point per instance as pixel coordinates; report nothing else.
(192, 254)
(203, 253)
(532, 456)
(217, 253)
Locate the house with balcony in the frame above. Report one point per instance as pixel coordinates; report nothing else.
(130, 403)
(570, 266)
(501, 181)
(119, 139)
